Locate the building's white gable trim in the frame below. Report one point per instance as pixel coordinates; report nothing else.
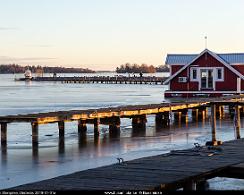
(227, 65)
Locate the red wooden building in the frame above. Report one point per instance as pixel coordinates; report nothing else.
(205, 74)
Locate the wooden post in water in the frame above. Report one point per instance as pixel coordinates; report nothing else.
(159, 120)
(206, 112)
(213, 122)
(237, 121)
(166, 120)
(214, 141)
(82, 128)
(202, 113)
(3, 134)
(177, 116)
(222, 112)
(231, 111)
(194, 114)
(34, 134)
(114, 127)
(219, 111)
(61, 145)
(82, 139)
(241, 110)
(139, 121)
(162, 120)
(139, 125)
(61, 128)
(184, 116)
(96, 126)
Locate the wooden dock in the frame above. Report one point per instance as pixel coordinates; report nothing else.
(138, 114)
(102, 79)
(187, 169)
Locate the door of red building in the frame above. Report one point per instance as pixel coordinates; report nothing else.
(207, 79)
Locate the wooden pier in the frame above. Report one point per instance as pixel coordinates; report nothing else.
(102, 79)
(187, 169)
(111, 116)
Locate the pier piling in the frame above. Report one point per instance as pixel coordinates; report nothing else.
(61, 145)
(202, 113)
(184, 116)
(162, 119)
(34, 134)
(114, 126)
(96, 126)
(139, 122)
(195, 114)
(231, 111)
(3, 134)
(237, 121)
(61, 128)
(177, 116)
(214, 141)
(82, 126)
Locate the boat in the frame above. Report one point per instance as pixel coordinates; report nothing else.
(28, 75)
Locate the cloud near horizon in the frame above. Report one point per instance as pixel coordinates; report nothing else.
(8, 58)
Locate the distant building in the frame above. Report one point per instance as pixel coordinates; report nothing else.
(205, 74)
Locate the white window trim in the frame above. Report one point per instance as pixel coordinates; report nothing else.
(222, 72)
(198, 79)
(191, 74)
(214, 76)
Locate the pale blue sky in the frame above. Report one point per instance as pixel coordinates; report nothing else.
(102, 34)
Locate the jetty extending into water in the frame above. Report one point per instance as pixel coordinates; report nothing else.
(187, 169)
(101, 79)
(138, 113)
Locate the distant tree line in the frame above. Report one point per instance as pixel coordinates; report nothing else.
(15, 68)
(135, 68)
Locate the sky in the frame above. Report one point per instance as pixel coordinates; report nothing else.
(103, 34)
